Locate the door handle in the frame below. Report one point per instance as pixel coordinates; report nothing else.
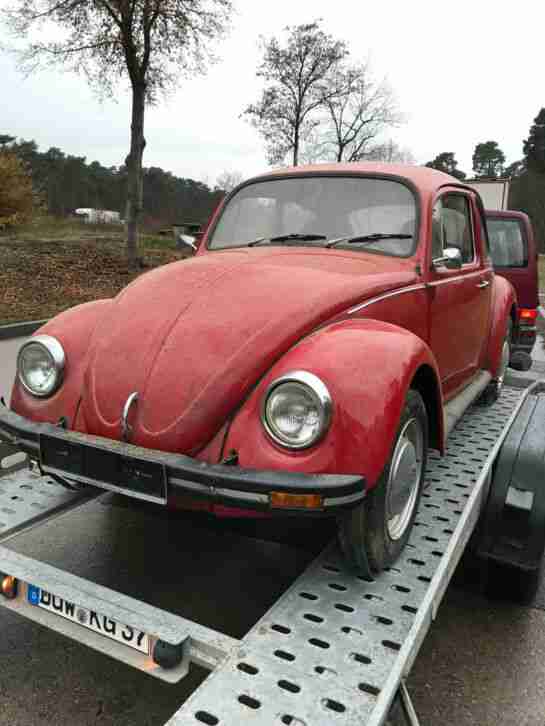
(483, 283)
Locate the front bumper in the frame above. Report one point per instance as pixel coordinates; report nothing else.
(158, 476)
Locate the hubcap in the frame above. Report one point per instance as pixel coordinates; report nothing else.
(505, 356)
(404, 478)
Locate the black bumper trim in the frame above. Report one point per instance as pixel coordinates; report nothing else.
(225, 484)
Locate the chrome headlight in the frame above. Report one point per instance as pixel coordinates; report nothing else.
(40, 365)
(296, 410)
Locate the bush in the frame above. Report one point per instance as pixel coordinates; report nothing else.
(17, 198)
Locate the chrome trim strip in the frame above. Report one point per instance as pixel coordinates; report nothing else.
(102, 485)
(246, 496)
(193, 485)
(386, 295)
(349, 499)
(473, 273)
(126, 428)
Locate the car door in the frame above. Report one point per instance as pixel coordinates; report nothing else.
(460, 298)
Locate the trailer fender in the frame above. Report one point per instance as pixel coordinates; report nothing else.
(513, 520)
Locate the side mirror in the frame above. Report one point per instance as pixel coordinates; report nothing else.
(451, 259)
(186, 242)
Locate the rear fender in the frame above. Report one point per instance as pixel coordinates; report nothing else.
(368, 366)
(504, 304)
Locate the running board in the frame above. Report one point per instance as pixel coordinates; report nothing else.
(173, 641)
(457, 406)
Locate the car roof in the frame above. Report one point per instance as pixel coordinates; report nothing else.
(506, 213)
(422, 177)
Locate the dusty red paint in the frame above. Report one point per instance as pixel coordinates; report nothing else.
(523, 279)
(201, 339)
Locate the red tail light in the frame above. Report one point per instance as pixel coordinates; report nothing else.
(527, 315)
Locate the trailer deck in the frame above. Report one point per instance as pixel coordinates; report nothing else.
(334, 649)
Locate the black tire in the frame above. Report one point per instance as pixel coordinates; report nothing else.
(493, 391)
(364, 533)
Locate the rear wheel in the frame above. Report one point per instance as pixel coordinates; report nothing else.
(493, 391)
(373, 534)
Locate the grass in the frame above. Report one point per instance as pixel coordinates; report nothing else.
(541, 272)
(51, 265)
(53, 228)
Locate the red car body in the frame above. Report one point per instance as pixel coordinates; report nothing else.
(202, 339)
(514, 256)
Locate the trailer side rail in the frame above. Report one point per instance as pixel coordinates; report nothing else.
(335, 648)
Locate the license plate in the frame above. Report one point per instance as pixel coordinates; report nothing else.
(89, 619)
(90, 464)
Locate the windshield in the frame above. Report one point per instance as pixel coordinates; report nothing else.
(508, 246)
(329, 207)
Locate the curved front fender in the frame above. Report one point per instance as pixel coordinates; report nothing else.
(504, 303)
(74, 329)
(368, 367)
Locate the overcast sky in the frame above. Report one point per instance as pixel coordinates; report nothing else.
(463, 72)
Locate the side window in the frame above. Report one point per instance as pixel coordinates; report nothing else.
(451, 226)
(457, 230)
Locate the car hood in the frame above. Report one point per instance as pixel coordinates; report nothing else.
(193, 337)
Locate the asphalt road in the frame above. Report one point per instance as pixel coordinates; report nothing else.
(482, 662)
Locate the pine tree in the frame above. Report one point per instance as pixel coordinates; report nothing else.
(488, 160)
(534, 145)
(446, 162)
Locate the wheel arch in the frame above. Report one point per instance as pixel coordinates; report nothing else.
(368, 366)
(426, 383)
(503, 309)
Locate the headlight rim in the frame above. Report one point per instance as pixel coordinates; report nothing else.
(56, 351)
(318, 388)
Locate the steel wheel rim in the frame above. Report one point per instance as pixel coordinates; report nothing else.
(505, 356)
(404, 479)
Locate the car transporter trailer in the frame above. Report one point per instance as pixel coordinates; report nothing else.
(334, 649)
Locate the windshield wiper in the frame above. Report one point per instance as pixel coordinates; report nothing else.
(288, 238)
(366, 238)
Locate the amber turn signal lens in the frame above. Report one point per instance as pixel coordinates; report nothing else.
(8, 586)
(527, 314)
(296, 501)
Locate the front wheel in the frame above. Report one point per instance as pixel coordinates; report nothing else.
(373, 534)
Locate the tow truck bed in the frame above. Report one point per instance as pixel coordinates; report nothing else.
(334, 649)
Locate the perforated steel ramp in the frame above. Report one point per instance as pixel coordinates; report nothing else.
(335, 648)
(26, 499)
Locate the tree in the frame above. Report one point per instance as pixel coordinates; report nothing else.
(228, 180)
(17, 199)
(390, 152)
(295, 75)
(534, 145)
(6, 139)
(150, 42)
(446, 162)
(488, 160)
(358, 108)
(514, 170)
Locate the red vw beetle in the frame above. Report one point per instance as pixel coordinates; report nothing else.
(334, 324)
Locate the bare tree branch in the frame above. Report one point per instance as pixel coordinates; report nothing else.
(152, 42)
